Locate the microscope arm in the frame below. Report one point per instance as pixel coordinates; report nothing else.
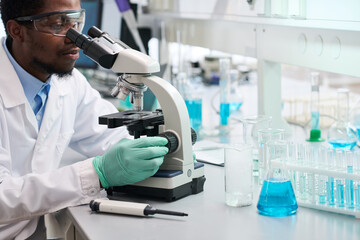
(176, 119)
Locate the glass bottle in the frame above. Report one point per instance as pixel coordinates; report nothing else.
(341, 134)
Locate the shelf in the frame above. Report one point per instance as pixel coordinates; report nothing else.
(259, 20)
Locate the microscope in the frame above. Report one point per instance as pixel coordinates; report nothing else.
(178, 176)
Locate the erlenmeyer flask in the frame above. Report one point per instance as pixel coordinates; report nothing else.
(277, 196)
(341, 134)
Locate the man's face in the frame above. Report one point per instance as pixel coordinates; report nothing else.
(46, 54)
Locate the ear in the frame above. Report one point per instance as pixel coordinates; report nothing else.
(15, 30)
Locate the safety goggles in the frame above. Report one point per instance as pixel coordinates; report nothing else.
(57, 23)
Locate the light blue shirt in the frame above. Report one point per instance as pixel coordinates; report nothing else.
(35, 90)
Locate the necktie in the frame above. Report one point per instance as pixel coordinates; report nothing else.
(39, 103)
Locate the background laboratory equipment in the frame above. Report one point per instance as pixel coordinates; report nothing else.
(355, 117)
(315, 141)
(236, 99)
(329, 184)
(193, 100)
(315, 132)
(265, 136)
(225, 89)
(251, 126)
(238, 175)
(341, 134)
(277, 197)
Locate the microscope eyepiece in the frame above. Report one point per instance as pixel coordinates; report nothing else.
(100, 49)
(79, 39)
(95, 32)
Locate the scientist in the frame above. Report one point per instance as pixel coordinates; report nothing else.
(45, 106)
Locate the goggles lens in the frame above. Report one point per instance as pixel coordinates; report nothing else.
(57, 23)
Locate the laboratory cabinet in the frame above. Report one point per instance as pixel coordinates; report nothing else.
(320, 35)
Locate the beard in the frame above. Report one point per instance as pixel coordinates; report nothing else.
(50, 69)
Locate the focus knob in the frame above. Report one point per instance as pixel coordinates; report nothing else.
(173, 142)
(193, 136)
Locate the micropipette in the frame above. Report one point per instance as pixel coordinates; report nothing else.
(128, 208)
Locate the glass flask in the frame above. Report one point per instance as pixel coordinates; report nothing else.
(341, 134)
(277, 197)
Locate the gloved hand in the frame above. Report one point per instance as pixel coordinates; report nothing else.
(130, 161)
(194, 157)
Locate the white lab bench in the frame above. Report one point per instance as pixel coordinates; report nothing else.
(210, 218)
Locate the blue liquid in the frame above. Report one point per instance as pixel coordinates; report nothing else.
(342, 144)
(234, 106)
(224, 113)
(349, 190)
(339, 194)
(315, 123)
(322, 199)
(358, 131)
(277, 198)
(194, 109)
(321, 187)
(357, 196)
(330, 191)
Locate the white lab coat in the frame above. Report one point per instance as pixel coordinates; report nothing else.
(31, 183)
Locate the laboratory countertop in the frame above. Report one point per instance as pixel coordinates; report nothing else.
(210, 218)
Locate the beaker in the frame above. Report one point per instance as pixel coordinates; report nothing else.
(341, 134)
(277, 197)
(251, 127)
(238, 175)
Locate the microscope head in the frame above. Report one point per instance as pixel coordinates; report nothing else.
(115, 55)
(112, 53)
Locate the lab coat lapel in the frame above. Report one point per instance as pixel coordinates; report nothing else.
(12, 92)
(50, 128)
(52, 112)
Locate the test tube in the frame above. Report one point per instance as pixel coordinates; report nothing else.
(292, 160)
(357, 183)
(321, 180)
(311, 159)
(300, 153)
(348, 182)
(330, 183)
(340, 182)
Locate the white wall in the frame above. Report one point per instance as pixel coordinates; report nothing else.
(2, 30)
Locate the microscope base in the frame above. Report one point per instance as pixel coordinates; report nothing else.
(163, 179)
(169, 195)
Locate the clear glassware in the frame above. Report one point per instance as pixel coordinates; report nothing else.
(341, 134)
(225, 89)
(251, 127)
(277, 197)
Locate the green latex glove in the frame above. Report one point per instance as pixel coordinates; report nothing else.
(130, 161)
(194, 157)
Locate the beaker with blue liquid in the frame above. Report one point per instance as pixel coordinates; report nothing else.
(277, 197)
